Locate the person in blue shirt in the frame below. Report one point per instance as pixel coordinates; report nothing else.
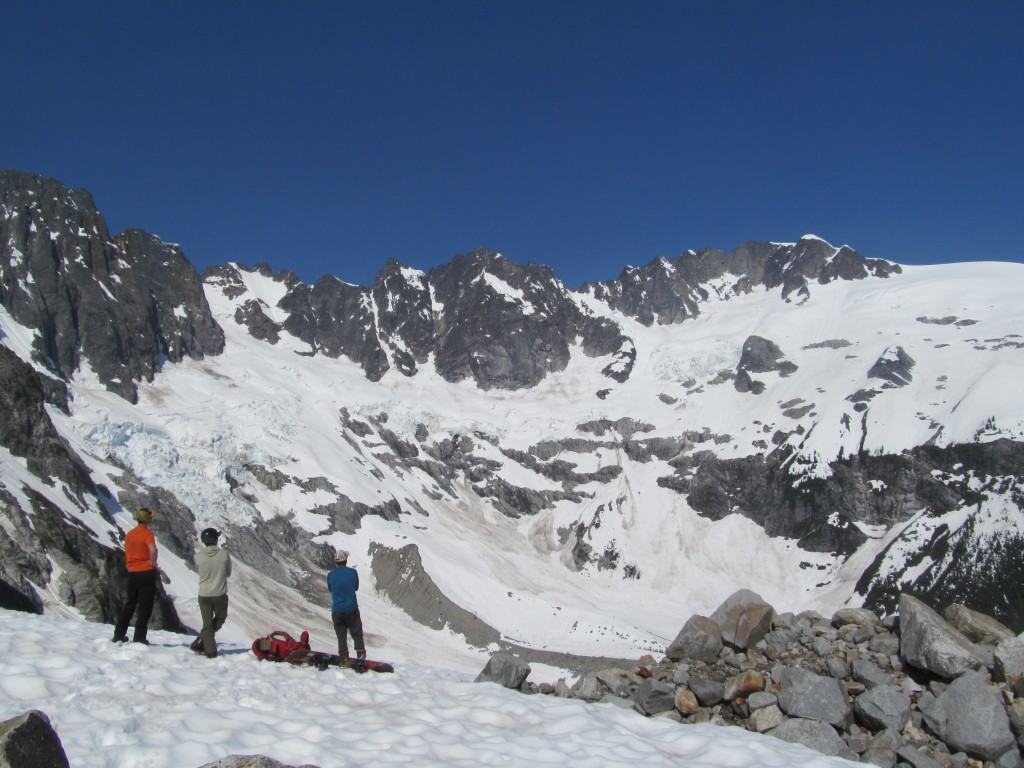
(343, 583)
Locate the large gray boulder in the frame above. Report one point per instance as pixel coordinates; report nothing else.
(700, 639)
(29, 741)
(928, 642)
(814, 697)
(815, 734)
(1009, 658)
(504, 669)
(884, 707)
(744, 618)
(969, 717)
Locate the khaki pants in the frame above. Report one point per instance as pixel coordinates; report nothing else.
(214, 611)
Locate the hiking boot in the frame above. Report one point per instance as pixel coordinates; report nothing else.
(120, 639)
(197, 646)
(140, 640)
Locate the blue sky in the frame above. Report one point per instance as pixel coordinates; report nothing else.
(327, 137)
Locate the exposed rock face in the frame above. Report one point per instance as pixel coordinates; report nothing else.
(670, 291)
(895, 367)
(880, 490)
(124, 304)
(29, 741)
(759, 355)
(90, 565)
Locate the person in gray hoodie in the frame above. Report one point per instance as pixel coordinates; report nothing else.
(214, 566)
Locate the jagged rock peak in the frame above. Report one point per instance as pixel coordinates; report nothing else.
(671, 290)
(124, 304)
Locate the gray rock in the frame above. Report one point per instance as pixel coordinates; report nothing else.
(929, 643)
(969, 717)
(764, 719)
(700, 639)
(869, 673)
(885, 644)
(884, 758)
(975, 626)
(744, 619)
(1015, 711)
(815, 735)
(1011, 759)
(882, 708)
(588, 688)
(618, 681)
(778, 641)
(837, 668)
(708, 692)
(1009, 658)
(890, 740)
(505, 669)
(29, 741)
(814, 697)
(916, 759)
(822, 647)
(858, 741)
(761, 699)
(652, 697)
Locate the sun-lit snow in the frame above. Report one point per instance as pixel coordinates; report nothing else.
(125, 706)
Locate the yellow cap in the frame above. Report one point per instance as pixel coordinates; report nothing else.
(144, 515)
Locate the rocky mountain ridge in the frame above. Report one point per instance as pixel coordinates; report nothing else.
(568, 405)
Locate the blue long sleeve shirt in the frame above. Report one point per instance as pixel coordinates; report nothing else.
(343, 583)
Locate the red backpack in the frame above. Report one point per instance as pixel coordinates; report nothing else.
(277, 645)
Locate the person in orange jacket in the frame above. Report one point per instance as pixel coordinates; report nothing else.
(140, 556)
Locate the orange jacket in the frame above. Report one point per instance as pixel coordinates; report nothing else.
(136, 549)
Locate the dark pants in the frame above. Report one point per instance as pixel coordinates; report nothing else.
(141, 594)
(214, 611)
(345, 622)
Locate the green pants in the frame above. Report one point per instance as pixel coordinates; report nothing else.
(214, 611)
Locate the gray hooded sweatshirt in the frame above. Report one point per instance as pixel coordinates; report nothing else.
(214, 566)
